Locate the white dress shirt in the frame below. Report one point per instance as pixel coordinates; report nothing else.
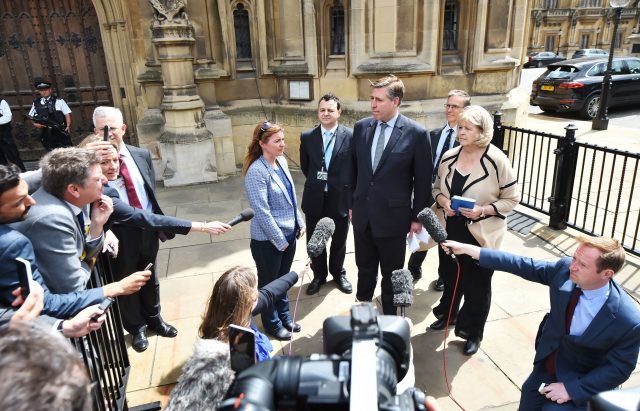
(138, 181)
(590, 302)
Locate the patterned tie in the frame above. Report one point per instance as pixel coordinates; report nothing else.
(379, 146)
(445, 147)
(134, 201)
(550, 361)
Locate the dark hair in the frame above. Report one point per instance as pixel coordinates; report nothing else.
(9, 177)
(64, 166)
(394, 86)
(329, 97)
(261, 132)
(41, 371)
(231, 302)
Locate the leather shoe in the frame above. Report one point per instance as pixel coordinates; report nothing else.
(416, 273)
(314, 286)
(281, 334)
(343, 284)
(441, 323)
(164, 330)
(140, 342)
(294, 328)
(471, 347)
(439, 285)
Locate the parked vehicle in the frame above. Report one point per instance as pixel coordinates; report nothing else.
(542, 59)
(580, 53)
(574, 85)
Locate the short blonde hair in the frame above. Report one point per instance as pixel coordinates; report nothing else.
(612, 255)
(481, 118)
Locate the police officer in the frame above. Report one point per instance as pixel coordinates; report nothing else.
(8, 150)
(52, 116)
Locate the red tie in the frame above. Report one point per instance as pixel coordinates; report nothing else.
(134, 201)
(550, 361)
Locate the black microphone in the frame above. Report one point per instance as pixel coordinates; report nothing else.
(245, 215)
(430, 222)
(321, 234)
(402, 283)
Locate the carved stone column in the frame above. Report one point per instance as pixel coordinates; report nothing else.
(185, 144)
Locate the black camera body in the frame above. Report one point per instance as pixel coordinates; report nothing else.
(363, 354)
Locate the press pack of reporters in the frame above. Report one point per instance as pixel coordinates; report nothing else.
(378, 177)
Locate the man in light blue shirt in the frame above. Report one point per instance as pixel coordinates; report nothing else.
(442, 139)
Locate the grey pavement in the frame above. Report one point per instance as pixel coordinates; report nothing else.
(491, 379)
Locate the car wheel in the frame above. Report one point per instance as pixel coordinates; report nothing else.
(539, 65)
(591, 106)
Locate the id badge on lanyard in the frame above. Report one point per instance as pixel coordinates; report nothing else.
(322, 174)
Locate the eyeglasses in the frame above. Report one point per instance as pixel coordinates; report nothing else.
(264, 128)
(452, 106)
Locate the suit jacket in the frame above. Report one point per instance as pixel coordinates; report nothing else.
(383, 198)
(126, 215)
(435, 135)
(14, 244)
(493, 182)
(604, 356)
(338, 174)
(275, 211)
(142, 158)
(59, 243)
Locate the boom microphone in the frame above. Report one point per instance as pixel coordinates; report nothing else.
(402, 283)
(245, 215)
(322, 233)
(430, 222)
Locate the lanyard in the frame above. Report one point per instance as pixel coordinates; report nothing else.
(324, 150)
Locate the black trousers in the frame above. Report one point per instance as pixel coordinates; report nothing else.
(52, 139)
(8, 150)
(474, 285)
(388, 253)
(337, 250)
(137, 249)
(415, 263)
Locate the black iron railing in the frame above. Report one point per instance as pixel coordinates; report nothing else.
(583, 186)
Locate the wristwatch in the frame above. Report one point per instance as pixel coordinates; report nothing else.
(482, 212)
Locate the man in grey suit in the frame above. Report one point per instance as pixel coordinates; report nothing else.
(391, 162)
(325, 160)
(442, 139)
(138, 247)
(589, 341)
(65, 232)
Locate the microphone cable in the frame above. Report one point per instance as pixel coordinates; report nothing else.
(446, 332)
(295, 311)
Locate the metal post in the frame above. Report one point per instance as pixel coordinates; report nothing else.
(498, 131)
(566, 157)
(601, 121)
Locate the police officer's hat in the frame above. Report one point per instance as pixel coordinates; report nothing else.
(41, 85)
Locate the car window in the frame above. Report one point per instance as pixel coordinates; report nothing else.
(597, 70)
(560, 72)
(634, 66)
(618, 67)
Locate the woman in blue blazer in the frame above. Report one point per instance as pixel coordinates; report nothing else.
(277, 222)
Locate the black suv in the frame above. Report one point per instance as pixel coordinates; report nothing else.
(574, 85)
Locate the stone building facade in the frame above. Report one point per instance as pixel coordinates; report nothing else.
(194, 78)
(563, 26)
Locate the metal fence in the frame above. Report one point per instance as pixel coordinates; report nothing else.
(580, 185)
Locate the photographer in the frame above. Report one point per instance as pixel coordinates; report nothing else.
(235, 299)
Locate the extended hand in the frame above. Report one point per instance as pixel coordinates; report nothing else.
(103, 148)
(416, 227)
(215, 227)
(82, 324)
(100, 213)
(111, 243)
(133, 282)
(31, 307)
(556, 392)
(302, 268)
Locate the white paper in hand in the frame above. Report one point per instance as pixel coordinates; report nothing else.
(412, 243)
(423, 236)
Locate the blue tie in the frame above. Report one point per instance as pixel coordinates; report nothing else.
(80, 218)
(328, 148)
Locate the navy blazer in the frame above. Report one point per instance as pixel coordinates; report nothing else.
(604, 356)
(338, 174)
(435, 135)
(14, 244)
(384, 197)
(126, 215)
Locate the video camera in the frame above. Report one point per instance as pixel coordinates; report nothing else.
(365, 356)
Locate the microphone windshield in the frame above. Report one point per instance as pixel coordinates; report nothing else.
(430, 222)
(322, 233)
(402, 283)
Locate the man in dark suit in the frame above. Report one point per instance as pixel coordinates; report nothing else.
(442, 139)
(589, 341)
(325, 159)
(391, 161)
(138, 247)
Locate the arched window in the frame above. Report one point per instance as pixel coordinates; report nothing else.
(337, 28)
(450, 37)
(243, 34)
